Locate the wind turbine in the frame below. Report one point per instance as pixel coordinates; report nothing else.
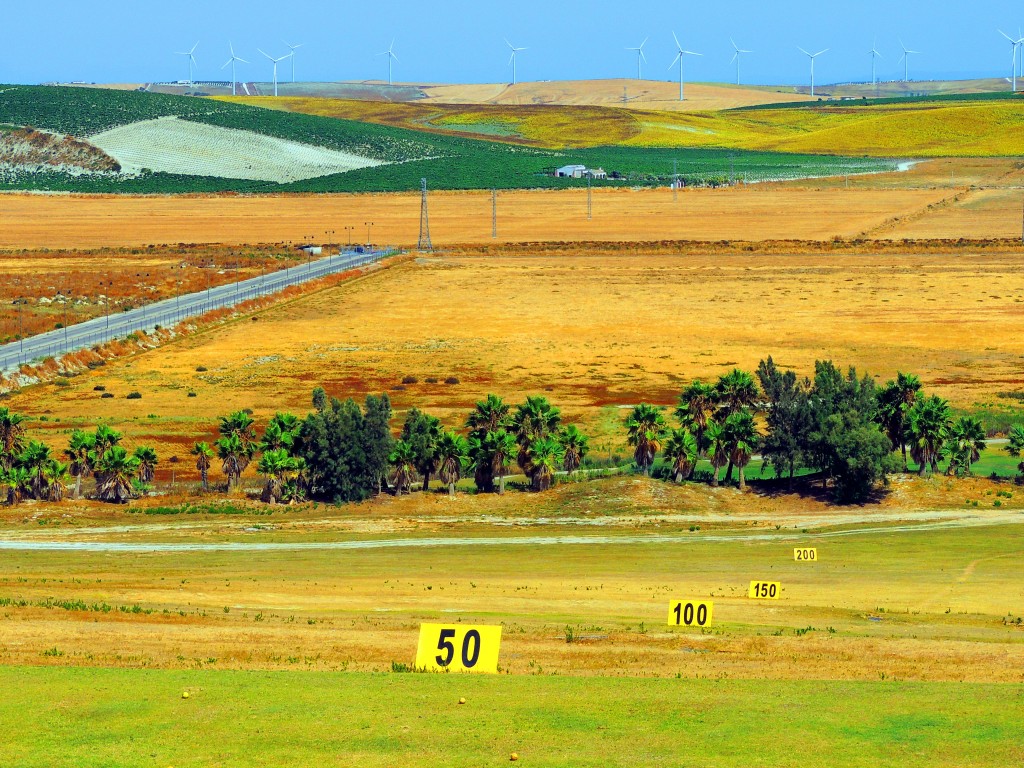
(512, 59)
(293, 48)
(1013, 57)
(905, 58)
(874, 55)
(191, 61)
(276, 62)
(679, 58)
(390, 53)
(639, 58)
(232, 61)
(736, 58)
(812, 57)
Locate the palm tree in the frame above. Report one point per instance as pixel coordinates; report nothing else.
(402, 458)
(1015, 444)
(928, 422)
(894, 403)
(696, 406)
(106, 437)
(742, 439)
(80, 447)
(646, 428)
(116, 470)
(503, 448)
(734, 390)
(681, 451)
(278, 468)
(203, 453)
(12, 436)
(56, 473)
(718, 449)
(18, 482)
(147, 463)
(34, 457)
(488, 415)
(533, 420)
(967, 441)
(235, 456)
(545, 456)
(488, 418)
(452, 454)
(574, 446)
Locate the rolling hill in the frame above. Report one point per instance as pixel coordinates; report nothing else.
(173, 144)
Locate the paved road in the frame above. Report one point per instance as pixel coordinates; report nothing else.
(170, 312)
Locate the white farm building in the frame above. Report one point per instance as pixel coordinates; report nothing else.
(580, 172)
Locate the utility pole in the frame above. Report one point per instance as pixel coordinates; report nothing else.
(424, 243)
(369, 227)
(494, 213)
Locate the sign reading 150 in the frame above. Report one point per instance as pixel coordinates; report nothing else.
(690, 613)
(458, 648)
(764, 590)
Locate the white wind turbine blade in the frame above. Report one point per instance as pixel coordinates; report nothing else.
(678, 45)
(677, 58)
(805, 53)
(692, 53)
(821, 52)
(734, 57)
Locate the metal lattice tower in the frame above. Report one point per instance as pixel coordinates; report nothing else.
(424, 242)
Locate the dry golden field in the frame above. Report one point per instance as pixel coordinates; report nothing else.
(594, 332)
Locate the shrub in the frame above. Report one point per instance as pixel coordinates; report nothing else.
(201, 369)
(133, 396)
(99, 388)
(191, 394)
(451, 380)
(410, 380)
(62, 382)
(431, 380)
(106, 396)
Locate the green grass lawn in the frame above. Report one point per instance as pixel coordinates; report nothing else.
(96, 717)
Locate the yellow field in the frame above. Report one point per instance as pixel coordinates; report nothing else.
(916, 130)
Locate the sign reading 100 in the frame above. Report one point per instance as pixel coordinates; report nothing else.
(458, 648)
(690, 613)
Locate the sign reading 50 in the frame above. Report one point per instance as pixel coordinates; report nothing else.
(458, 648)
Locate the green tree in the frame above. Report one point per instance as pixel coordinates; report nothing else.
(575, 446)
(734, 390)
(204, 459)
(488, 424)
(646, 428)
(741, 439)
(422, 432)
(1015, 444)
(966, 440)
(235, 455)
(56, 473)
(375, 437)
(80, 448)
(18, 482)
(894, 403)
(788, 417)
(403, 459)
(681, 452)
(34, 458)
(929, 420)
(533, 420)
(282, 432)
(147, 463)
(452, 454)
(278, 468)
(116, 471)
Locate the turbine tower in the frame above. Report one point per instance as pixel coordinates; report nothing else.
(390, 53)
(874, 55)
(191, 61)
(905, 58)
(275, 62)
(232, 61)
(1014, 44)
(640, 58)
(736, 58)
(512, 59)
(293, 48)
(812, 57)
(679, 57)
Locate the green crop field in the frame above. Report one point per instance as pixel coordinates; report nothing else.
(86, 718)
(448, 162)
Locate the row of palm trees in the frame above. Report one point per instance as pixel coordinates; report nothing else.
(531, 436)
(30, 469)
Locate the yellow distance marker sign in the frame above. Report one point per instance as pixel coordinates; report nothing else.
(690, 613)
(805, 554)
(458, 648)
(764, 590)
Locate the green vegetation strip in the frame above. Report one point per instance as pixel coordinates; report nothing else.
(938, 98)
(115, 717)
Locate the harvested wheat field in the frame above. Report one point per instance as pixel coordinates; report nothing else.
(754, 212)
(593, 332)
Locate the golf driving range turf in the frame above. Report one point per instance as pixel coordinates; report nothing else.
(110, 717)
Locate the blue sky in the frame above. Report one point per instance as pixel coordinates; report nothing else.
(461, 40)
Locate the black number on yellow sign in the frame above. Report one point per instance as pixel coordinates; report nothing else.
(689, 613)
(470, 648)
(803, 554)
